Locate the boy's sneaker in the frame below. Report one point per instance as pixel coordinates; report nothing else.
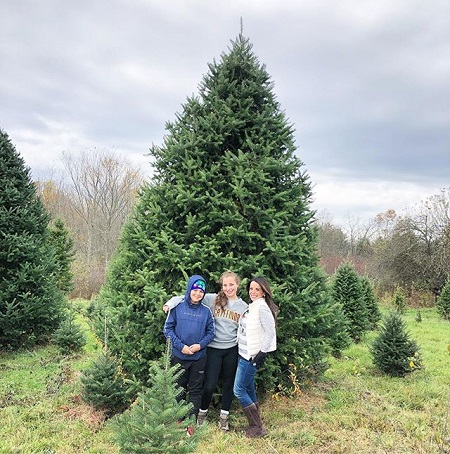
(223, 423)
(190, 431)
(201, 417)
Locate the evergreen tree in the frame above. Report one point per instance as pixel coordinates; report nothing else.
(419, 317)
(393, 352)
(341, 339)
(104, 385)
(31, 305)
(69, 337)
(443, 301)
(399, 301)
(228, 192)
(368, 296)
(153, 423)
(64, 254)
(347, 291)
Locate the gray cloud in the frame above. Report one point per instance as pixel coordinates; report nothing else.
(364, 83)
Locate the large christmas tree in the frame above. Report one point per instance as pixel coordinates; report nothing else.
(228, 192)
(30, 301)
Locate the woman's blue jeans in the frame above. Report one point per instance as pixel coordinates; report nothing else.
(244, 383)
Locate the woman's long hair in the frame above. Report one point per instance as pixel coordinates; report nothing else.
(267, 294)
(221, 299)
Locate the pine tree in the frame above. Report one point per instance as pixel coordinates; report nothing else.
(347, 291)
(31, 305)
(69, 337)
(341, 339)
(393, 352)
(104, 385)
(153, 423)
(64, 254)
(228, 192)
(443, 301)
(399, 301)
(368, 296)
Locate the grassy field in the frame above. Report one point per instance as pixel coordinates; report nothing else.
(354, 409)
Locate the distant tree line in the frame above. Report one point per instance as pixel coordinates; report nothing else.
(410, 251)
(98, 189)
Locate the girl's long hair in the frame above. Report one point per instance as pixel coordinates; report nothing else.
(267, 294)
(221, 299)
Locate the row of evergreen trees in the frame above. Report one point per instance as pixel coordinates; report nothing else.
(34, 258)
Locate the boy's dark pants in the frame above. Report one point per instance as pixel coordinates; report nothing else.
(191, 380)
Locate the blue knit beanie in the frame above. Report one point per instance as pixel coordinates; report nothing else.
(195, 282)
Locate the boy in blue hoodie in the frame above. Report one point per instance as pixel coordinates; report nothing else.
(190, 327)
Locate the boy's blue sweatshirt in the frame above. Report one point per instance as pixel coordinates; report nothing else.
(189, 324)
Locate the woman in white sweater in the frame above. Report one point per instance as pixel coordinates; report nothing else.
(256, 338)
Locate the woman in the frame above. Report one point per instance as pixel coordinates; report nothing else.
(256, 337)
(222, 352)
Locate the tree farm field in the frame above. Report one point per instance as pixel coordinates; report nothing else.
(352, 409)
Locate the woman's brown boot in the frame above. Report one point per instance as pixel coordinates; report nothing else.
(256, 427)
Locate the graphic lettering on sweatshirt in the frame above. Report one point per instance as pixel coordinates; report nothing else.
(227, 313)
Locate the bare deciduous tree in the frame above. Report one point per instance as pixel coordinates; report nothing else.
(358, 234)
(414, 250)
(103, 188)
(384, 224)
(430, 222)
(93, 198)
(332, 246)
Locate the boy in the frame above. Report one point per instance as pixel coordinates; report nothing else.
(190, 327)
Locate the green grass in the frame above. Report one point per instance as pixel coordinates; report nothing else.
(40, 407)
(354, 409)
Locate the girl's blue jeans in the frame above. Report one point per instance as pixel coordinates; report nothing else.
(244, 383)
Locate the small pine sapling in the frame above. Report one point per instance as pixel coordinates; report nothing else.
(370, 301)
(105, 386)
(399, 301)
(393, 352)
(154, 423)
(69, 337)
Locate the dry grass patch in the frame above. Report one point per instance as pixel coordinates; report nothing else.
(91, 418)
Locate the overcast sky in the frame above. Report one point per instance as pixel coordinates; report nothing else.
(366, 84)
